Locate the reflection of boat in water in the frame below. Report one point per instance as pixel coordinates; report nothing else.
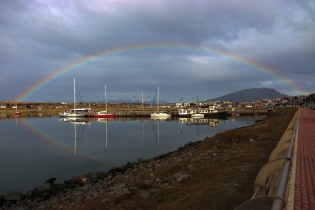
(103, 120)
(157, 130)
(212, 122)
(77, 121)
(16, 113)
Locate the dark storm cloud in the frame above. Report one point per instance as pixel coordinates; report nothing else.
(40, 37)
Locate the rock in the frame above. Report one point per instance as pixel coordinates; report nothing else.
(12, 196)
(106, 200)
(147, 182)
(140, 160)
(85, 180)
(225, 157)
(190, 167)
(125, 191)
(50, 180)
(41, 207)
(87, 186)
(164, 185)
(129, 171)
(145, 194)
(1, 200)
(46, 186)
(180, 177)
(101, 175)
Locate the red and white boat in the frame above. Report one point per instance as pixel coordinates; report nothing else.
(16, 113)
(104, 114)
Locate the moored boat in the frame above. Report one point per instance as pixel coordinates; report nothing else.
(16, 113)
(184, 112)
(75, 112)
(104, 114)
(159, 114)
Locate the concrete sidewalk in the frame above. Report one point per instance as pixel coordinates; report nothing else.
(304, 163)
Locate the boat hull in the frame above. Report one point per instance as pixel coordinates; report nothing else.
(104, 116)
(216, 114)
(160, 114)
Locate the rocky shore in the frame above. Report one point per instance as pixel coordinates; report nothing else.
(117, 181)
(215, 173)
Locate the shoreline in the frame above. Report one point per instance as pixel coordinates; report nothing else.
(133, 179)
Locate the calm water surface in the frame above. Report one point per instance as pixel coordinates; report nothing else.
(33, 149)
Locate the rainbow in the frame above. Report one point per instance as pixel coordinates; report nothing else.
(155, 47)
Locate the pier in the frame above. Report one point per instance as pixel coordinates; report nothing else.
(176, 115)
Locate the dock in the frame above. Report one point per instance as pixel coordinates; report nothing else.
(174, 114)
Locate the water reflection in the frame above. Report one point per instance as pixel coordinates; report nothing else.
(77, 121)
(212, 122)
(47, 146)
(104, 120)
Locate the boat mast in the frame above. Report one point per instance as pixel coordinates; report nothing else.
(142, 101)
(105, 100)
(158, 99)
(73, 93)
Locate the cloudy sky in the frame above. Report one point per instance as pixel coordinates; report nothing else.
(189, 49)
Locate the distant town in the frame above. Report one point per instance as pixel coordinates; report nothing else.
(305, 101)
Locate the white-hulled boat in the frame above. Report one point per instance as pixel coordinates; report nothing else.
(159, 114)
(79, 112)
(104, 114)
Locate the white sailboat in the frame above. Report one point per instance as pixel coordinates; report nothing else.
(79, 112)
(158, 114)
(104, 114)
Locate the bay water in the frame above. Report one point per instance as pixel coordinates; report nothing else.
(35, 148)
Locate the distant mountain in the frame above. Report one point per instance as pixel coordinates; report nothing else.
(250, 94)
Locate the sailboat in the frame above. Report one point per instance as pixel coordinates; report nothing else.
(79, 112)
(104, 114)
(159, 114)
(16, 113)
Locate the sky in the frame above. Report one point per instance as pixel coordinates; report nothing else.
(192, 50)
